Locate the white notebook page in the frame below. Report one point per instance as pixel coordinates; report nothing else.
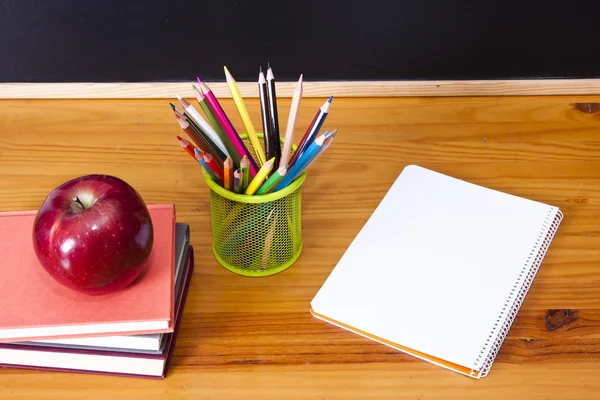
(434, 265)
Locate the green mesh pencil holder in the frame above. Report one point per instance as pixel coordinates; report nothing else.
(256, 235)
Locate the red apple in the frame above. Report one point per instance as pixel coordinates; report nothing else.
(93, 234)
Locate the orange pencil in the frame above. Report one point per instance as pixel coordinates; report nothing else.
(212, 164)
(228, 174)
(187, 146)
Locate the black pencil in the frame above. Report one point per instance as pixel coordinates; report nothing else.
(273, 116)
(264, 112)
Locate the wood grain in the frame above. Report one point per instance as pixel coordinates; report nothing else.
(383, 88)
(253, 337)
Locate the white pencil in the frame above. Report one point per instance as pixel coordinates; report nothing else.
(289, 130)
(205, 126)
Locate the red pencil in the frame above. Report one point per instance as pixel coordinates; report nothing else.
(212, 164)
(187, 146)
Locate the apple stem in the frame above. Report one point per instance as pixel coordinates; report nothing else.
(76, 200)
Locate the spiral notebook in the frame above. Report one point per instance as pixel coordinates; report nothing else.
(439, 270)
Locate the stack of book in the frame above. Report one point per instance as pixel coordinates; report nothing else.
(44, 325)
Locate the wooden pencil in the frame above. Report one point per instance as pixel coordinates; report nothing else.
(212, 119)
(233, 136)
(273, 116)
(187, 146)
(245, 167)
(237, 181)
(273, 180)
(289, 130)
(213, 165)
(203, 125)
(264, 113)
(246, 120)
(312, 131)
(203, 137)
(269, 240)
(309, 156)
(260, 177)
(197, 137)
(228, 174)
(206, 167)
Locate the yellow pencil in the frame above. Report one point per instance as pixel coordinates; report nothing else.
(260, 176)
(239, 102)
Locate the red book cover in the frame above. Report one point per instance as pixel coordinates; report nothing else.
(34, 306)
(57, 358)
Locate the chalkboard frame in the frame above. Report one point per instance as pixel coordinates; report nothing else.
(429, 88)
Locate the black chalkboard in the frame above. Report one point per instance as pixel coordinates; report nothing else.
(152, 40)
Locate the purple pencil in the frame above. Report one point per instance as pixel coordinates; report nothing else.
(233, 136)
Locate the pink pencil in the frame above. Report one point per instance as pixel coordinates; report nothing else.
(233, 136)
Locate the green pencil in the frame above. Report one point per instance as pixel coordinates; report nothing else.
(245, 167)
(214, 122)
(270, 183)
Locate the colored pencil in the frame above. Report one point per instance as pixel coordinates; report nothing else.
(269, 239)
(328, 139)
(206, 167)
(289, 130)
(204, 126)
(312, 131)
(237, 181)
(187, 146)
(245, 167)
(228, 174)
(309, 156)
(260, 177)
(246, 120)
(198, 136)
(273, 117)
(212, 119)
(273, 180)
(213, 165)
(264, 113)
(235, 139)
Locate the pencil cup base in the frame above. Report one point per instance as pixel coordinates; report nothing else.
(257, 235)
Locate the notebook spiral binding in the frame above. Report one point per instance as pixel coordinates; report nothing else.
(520, 289)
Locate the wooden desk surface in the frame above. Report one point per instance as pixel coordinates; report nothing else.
(254, 337)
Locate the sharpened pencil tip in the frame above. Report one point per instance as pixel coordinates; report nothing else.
(199, 80)
(260, 69)
(228, 75)
(268, 65)
(330, 98)
(178, 97)
(172, 106)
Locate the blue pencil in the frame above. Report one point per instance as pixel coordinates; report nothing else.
(328, 139)
(309, 156)
(312, 132)
(205, 166)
